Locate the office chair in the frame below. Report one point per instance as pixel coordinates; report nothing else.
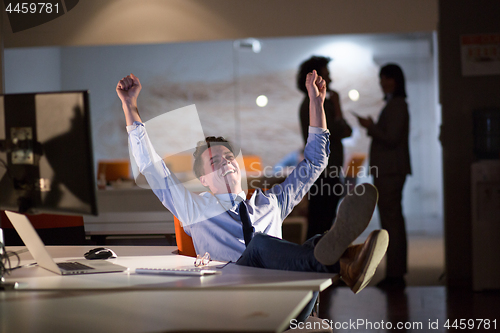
(53, 229)
(184, 242)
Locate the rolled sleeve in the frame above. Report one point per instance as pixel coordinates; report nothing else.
(318, 130)
(132, 127)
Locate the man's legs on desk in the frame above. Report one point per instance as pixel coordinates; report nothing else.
(356, 266)
(327, 253)
(266, 251)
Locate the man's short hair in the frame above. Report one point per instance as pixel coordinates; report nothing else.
(210, 141)
(313, 63)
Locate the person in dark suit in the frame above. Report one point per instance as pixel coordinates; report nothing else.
(389, 165)
(326, 192)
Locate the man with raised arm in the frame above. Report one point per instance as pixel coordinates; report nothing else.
(232, 228)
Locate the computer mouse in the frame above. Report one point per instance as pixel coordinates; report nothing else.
(100, 253)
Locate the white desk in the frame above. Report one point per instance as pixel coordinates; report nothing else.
(232, 277)
(239, 299)
(150, 311)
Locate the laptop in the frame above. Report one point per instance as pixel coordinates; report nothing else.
(39, 252)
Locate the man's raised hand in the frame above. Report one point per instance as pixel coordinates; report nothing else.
(316, 89)
(316, 86)
(128, 89)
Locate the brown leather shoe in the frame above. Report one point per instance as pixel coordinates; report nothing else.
(359, 262)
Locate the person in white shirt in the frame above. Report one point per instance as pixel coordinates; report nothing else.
(231, 228)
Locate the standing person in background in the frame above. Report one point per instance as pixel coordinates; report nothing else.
(390, 157)
(326, 192)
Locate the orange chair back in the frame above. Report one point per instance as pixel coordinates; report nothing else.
(113, 169)
(179, 162)
(52, 229)
(354, 165)
(45, 221)
(184, 242)
(253, 163)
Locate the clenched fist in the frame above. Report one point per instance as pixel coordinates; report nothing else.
(128, 89)
(316, 86)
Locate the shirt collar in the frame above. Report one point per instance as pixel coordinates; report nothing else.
(226, 202)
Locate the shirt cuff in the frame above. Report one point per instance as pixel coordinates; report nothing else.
(318, 130)
(134, 125)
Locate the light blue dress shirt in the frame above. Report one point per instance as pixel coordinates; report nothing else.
(213, 221)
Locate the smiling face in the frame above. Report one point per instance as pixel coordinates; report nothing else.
(221, 171)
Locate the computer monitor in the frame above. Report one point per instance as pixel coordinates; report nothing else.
(46, 158)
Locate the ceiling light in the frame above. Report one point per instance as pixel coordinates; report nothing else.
(353, 95)
(261, 101)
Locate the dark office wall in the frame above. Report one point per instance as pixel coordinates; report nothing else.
(459, 97)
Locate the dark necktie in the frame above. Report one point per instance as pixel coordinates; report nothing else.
(248, 229)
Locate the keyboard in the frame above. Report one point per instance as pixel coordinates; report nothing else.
(73, 266)
(177, 271)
